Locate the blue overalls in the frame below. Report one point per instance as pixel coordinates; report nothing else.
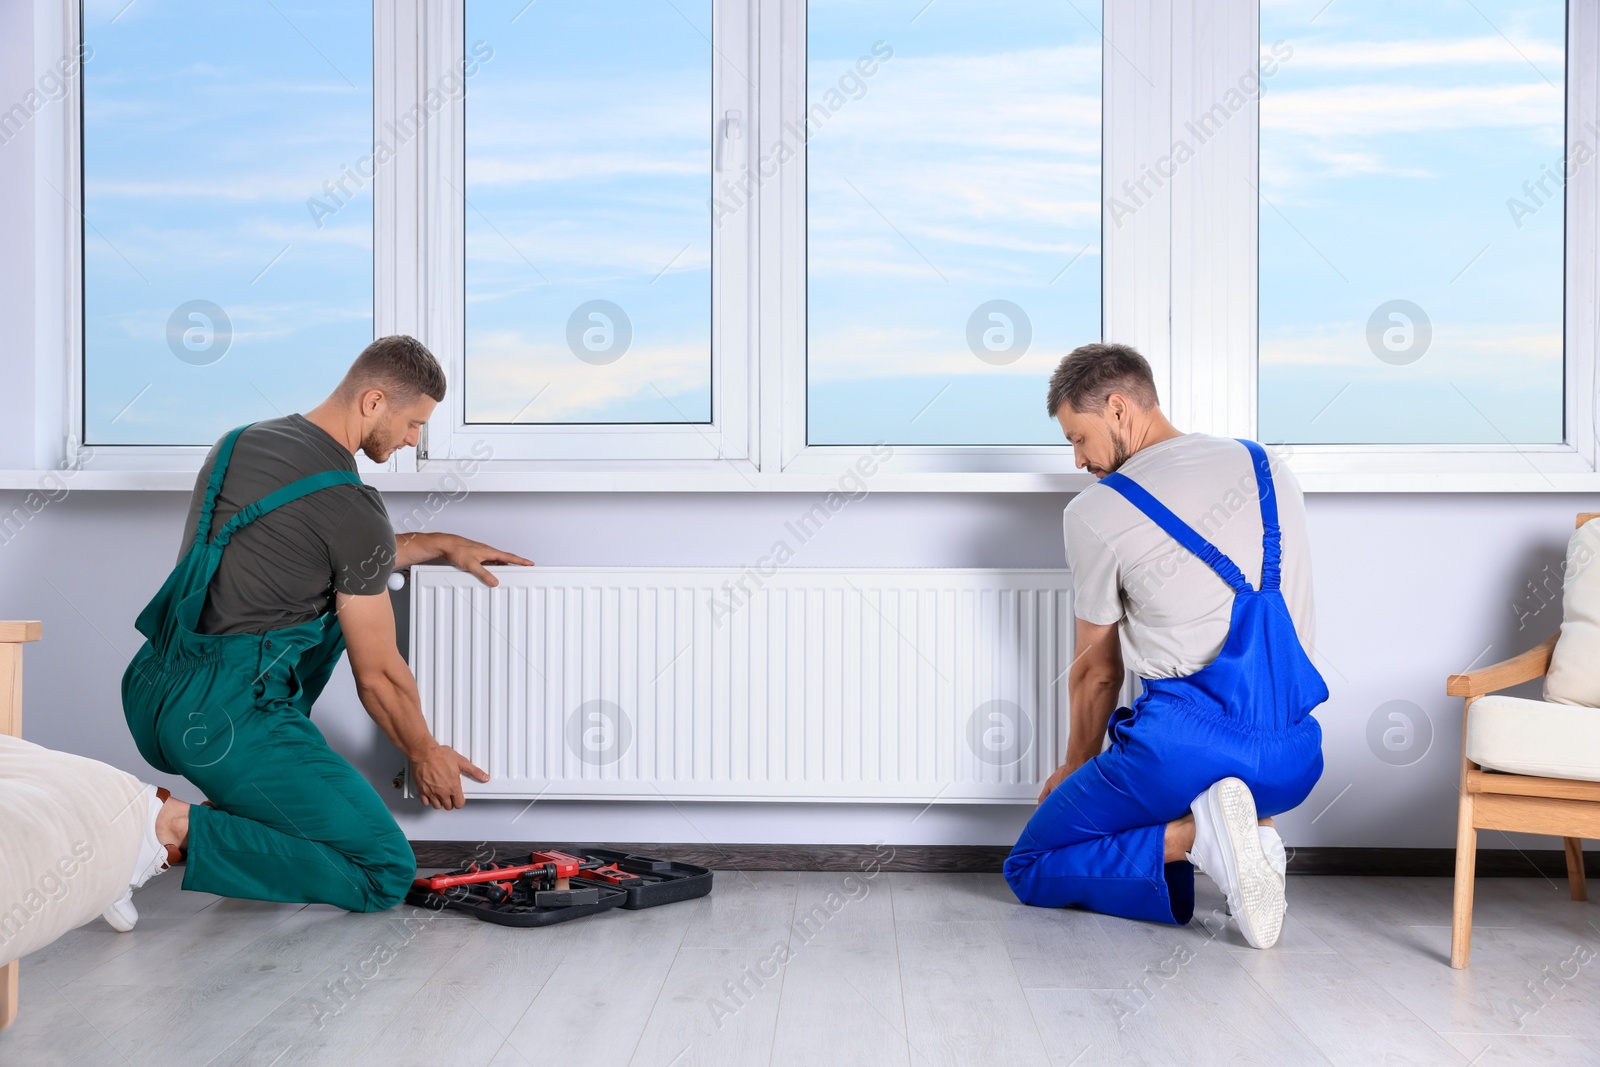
(1098, 839)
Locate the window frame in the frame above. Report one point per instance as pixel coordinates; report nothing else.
(726, 438)
(794, 451)
(1178, 281)
(63, 169)
(1564, 467)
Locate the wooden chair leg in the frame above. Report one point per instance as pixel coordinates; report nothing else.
(8, 994)
(1577, 880)
(1466, 871)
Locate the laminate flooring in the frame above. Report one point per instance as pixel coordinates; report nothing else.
(827, 969)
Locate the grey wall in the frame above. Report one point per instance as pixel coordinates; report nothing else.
(1409, 589)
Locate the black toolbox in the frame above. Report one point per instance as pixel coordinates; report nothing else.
(664, 881)
(520, 908)
(555, 886)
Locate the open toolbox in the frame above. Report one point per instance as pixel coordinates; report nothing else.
(552, 887)
(653, 882)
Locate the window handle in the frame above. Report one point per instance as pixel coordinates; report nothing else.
(731, 128)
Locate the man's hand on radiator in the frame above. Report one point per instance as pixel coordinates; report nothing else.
(460, 552)
(438, 777)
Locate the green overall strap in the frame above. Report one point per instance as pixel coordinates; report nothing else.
(279, 497)
(218, 469)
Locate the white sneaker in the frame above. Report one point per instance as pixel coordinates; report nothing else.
(122, 915)
(1277, 855)
(1228, 848)
(153, 858)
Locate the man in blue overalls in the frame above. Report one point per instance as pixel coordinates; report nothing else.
(1221, 737)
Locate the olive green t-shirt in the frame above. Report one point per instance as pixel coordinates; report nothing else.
(284, 568)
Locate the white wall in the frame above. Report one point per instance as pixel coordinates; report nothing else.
(1409, 589)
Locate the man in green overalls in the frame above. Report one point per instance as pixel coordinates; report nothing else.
(286, 563)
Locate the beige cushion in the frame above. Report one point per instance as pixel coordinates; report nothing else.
(1534, 737)
(1574, 676)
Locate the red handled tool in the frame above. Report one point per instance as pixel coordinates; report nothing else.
(552, 887)
(438, 883)
(611, 874)
(563, 868)
(559, 867)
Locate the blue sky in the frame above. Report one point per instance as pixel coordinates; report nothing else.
(206, 129)
(966, 170)
(1391, 141)
(588, 176)
(962, 170)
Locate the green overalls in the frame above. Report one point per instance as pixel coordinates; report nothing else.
(292, 820)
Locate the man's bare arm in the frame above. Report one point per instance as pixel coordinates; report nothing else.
(1093, 682)
(460, 552)
(388, 691)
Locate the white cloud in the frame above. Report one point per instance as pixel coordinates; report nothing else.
(1364, 110)
(244, 186)
(860, 352)
(1477, 350)
(508, 370)
(1473, 53)
(512, 169)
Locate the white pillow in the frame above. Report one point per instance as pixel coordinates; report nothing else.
(1574, 676)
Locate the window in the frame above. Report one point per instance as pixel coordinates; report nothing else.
(953, 217)
(740, 244)
(583, 291)
(1411, 222)
(588, 232)
(227, 213)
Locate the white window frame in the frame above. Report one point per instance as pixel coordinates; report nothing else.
(1178, 281)
(59, 308)
(440, 238)
(1218, 392)
(786, 274)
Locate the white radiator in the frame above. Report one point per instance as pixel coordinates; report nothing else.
(725, 684)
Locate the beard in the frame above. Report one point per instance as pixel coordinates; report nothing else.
(377, 447)
(1119, 452)
(1119, 456)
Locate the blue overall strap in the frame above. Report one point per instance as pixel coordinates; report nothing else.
(1179, 530)
(219, 468)
(1271, 534)
(279, 497)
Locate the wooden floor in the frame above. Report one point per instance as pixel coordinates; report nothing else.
(828, 969)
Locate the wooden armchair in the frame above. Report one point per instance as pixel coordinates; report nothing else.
(1490, 800)
(13, 635)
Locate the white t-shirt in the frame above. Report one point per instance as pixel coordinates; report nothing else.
(1173, 610)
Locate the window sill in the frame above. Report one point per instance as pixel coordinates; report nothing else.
(1314, 477)
(445, 480)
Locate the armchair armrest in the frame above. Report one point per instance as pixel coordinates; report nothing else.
(1523, 667)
